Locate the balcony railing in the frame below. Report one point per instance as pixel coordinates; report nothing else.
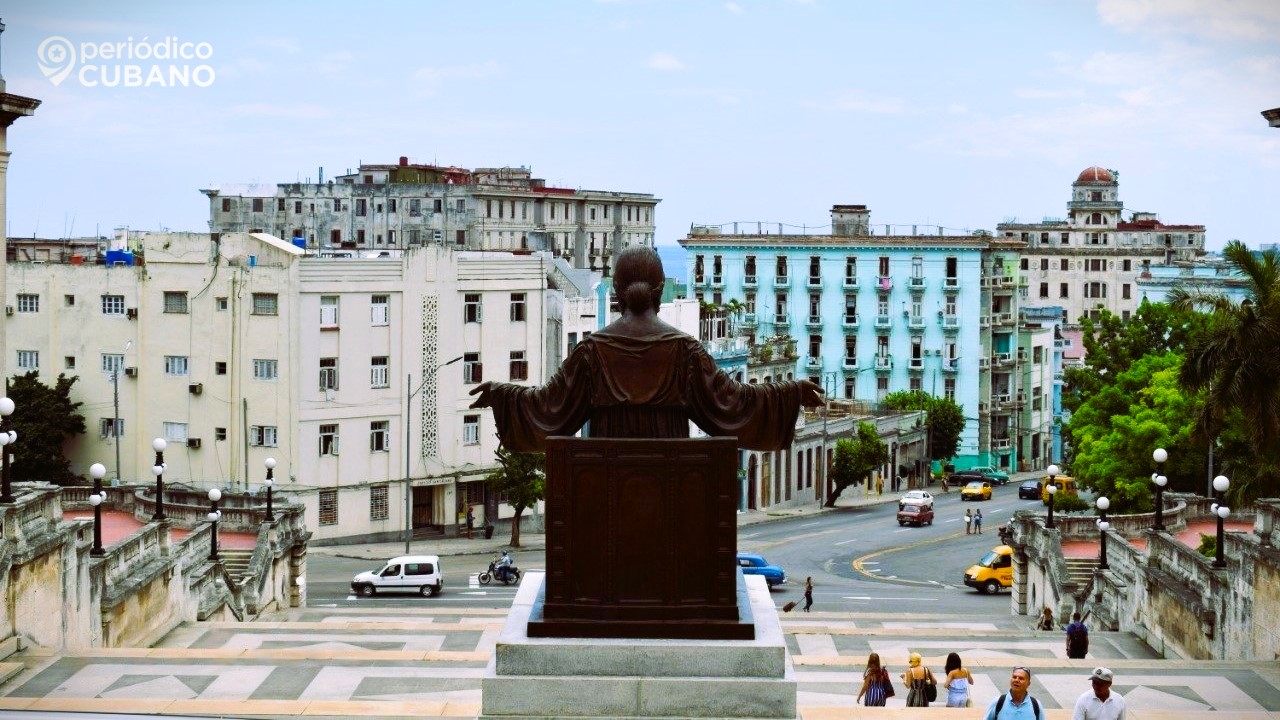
(916, 364)
(781, 320)
(813, 363)
(813, 321)
(951, 283)
(916, 322)
(883, 321)
(1002, 358)
(750, 281)
(916, 283)
(950, 365)
(850, 363)
(884, 362)
(850, 322)
(781, 280)
(850, 282)
(1000, 444)
(884, 283)
(815, 281)
(950, 322)
(717, 281)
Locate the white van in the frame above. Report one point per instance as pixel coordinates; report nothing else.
(419, 573)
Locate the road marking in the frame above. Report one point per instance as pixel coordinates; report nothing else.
(351, 597)
(871, 562)
(815, 522)
(859, 564)
(900, 530)
(846, 542)
(748, 537)
(954, 520)
(876, 597)
(474, 592)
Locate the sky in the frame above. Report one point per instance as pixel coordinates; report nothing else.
(962, 115)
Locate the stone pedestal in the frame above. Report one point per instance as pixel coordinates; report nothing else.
(541, 677)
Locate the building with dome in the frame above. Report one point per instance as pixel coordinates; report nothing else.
(1096, 257)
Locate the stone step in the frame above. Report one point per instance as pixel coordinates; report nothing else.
(9, 669)
(249, 708)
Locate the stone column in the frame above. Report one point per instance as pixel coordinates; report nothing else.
(12, 107)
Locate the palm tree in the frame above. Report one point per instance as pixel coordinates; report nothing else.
(1237, 359)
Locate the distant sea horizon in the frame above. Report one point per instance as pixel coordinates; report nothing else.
(673, 261)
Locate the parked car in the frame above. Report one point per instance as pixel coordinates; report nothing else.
(964, 477)
(916, 515)
(976, 490)
(753, 564)
(411, 573)
(1029, 490)
(995, 475)
(916, 497)
(993, 572)
(1065, 483)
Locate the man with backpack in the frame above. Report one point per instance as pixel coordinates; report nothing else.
(1077, 638)
(1017, 704)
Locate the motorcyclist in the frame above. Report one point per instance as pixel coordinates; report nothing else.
(505, 563)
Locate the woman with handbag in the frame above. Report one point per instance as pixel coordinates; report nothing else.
(922, 689)
(875, 683)
(958, 681)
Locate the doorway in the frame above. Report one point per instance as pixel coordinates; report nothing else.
(423, 507)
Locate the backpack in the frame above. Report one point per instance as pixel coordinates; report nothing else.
(1077, 640)
(1035, 706)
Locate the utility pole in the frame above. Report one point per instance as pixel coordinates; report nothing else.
(115, 398)
(408, 485)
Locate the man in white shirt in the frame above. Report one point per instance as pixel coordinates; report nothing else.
(1099, 703)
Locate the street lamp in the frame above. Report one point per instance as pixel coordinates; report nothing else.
(97, 471)
(1052, 490)
(214, 515)
(7, 438)
(1103, 503)
(1160, 456)
(158, 470)
(271, 466)
(1220, 485)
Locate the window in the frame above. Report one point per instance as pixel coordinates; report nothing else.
(1062, 290)
(379, 507)
(28, 360)
(70, 362)
(1127, 265)
(1026, 263)
(851, 347)
(257, 204)
(226, 205)
(175, 364)
(28, 303)
(1037, 354)
(69, 300)
(109, 429)
(517, 307)
(266, 304)
(219, 434)
(884, 266)
(380, 310)
(782, 266)
(112, 304)
(329, 373)
(112, 363)
(362, 207)
(328, 311)
(519, 366)
(1095, 290)
(471, 308)
(380, 436)
(815, 346)
(262, 435)
(380, 372)
(949, 388)
(329, 439)
(264, 370)
(1124, 291)
(1044, 264)
(471, 430)
(220, 304)
(220, 367)
(1044, 289)
(329, 507)
(175, 431)
(1063, 264)
(472, 369)
(175, 302)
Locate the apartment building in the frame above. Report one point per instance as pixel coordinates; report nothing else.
(239, 347)
(865, 315)
(1096, 258)
(383, 208)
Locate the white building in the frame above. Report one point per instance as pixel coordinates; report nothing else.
(237, 347)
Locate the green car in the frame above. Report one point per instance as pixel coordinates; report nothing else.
(999, 477)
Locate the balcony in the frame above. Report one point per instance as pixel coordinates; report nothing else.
(916, 365)
(813, 322)
(851, 363)
(717, 281)
(883, 322)
(916, 323)
(1002, 358)
(1001, 445)
(781, 320)
(850, 322)
(884, 283)
(699, 280)
(916, 284)
(1000, 398)
(884, 363)
(950, 365)
(749, 321)
(950, 323)
(813, 363)
(1004, 318)
(750, 281)
(984, 321)
(951, 284)
(781, 280)
(1023, 281)
(850, 282)
(815, 281)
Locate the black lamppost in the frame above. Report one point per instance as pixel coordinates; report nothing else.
(97, 471)
(158, 469)
(1160, 456)
(271, 466)
(1103, 503)
(1220, 485)
(1052, 490)
(214, 515)
(7, 438)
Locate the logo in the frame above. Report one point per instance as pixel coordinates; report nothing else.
(167, 62)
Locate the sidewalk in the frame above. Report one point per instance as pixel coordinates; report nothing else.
(478, 545)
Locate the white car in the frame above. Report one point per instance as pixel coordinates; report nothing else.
(413, 573)
(916, 497)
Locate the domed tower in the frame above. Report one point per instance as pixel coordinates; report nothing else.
(1095, 200)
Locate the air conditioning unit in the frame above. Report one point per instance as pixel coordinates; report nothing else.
(193, 442)
(8, 309)
(131, 371)
(195, 388)
(131, 313)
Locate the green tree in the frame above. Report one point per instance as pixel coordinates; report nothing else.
(521, 477)
(44, 418)
(1114, 433)
(855, 459)
(944, 417)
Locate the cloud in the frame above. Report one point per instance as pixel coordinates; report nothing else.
(1218, 20)
(664, 61)
(733, 7)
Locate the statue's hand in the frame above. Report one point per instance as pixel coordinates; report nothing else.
(810, 394)
(483, 390)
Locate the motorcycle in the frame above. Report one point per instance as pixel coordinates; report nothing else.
(494, 572)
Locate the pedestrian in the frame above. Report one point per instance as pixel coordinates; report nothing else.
(876, 687)
(958, 681)
(1046, 620)
(968, 522)
(1077, 637)
(1017, 703)
(917, 678)
(808, 593)
(1099, 703)
(879, 485)
(977, 521)
(471, 519)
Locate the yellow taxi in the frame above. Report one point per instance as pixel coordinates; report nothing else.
(976, 490)
(993, 572)
(1065, 484)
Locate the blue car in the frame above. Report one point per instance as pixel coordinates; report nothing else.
(753, 564)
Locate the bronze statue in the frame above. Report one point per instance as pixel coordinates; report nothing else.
(641, 378)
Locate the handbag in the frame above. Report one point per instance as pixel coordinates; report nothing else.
(930, 687)
(888, 684)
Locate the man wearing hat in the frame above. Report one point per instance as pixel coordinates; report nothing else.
(1099, 703)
